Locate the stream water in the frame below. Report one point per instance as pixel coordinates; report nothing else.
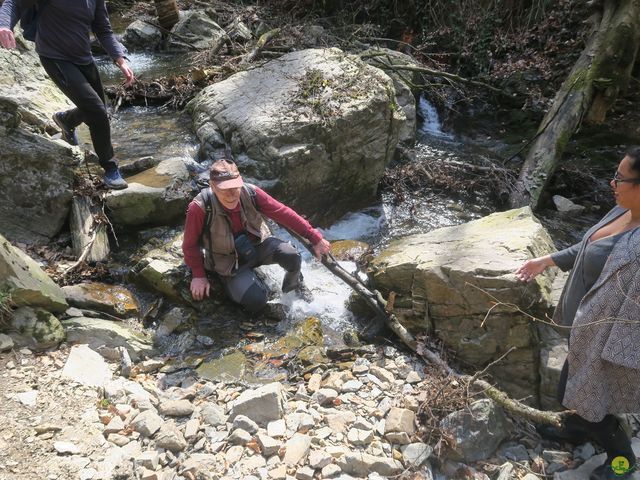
(140, 132)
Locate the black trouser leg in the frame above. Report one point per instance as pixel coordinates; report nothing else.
(608, 432)
(82, 85)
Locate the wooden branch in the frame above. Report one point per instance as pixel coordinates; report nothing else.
(262, 42)
(428, 71)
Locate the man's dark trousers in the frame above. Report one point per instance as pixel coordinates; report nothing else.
(82, 85)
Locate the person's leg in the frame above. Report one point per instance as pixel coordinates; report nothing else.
(82, 85)
(274, 250)
(621, 459)
(246, 289)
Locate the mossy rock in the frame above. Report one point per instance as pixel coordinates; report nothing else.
(35, 328)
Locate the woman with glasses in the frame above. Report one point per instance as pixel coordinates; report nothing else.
(601, 304)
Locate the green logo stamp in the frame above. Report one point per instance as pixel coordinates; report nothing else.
(620, 465)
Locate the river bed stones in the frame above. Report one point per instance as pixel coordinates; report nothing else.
(112, 299)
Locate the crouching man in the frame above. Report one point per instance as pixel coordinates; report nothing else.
(225, 233)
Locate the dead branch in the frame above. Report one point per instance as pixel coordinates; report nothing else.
(262, 42)
(426, 71)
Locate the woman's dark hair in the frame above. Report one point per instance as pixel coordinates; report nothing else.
(634, 154)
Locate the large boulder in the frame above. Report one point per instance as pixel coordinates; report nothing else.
(112, 299)
(26, 282)
(36, 173)
(157, 196)
(459, 282)
(194, 30)
(141, 35)
(314, 127)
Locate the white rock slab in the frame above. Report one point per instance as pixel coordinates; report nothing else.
(86, 367)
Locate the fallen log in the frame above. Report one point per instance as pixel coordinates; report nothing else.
(602, 71)
(88, 236)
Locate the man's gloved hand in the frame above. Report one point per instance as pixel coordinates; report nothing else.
(200, 288)
(7, 40)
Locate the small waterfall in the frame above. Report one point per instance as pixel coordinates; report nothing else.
(430, 121)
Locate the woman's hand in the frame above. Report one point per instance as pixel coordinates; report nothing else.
(7, 40)
(129, 78)
(200, 288)
(534, 267)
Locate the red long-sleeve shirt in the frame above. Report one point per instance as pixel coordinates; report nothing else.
(266, 204)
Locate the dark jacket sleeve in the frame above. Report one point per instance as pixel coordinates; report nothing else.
(9, 14)
(565, 259)
(102, 29)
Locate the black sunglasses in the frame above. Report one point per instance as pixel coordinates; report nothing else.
(617, 180)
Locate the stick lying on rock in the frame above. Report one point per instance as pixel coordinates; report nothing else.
(384, 309)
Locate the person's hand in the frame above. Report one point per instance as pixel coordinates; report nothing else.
(534, 267)
(129, 77)
(200, 288)
(7, 40)
(321, 248)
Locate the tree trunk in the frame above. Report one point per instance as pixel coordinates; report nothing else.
(601, 72)
(86, 233)
(167, 12)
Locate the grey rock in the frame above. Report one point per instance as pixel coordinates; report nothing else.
(245, 423)
(35, 328)
(64, 448)
(437, 282)
(87, 367)
(155, 197)
(296, 449)
(351, 386)
(114, 426)
(331, 470)
(325, 396)
(515, 453)
(148, 459)
(176, 408)
(41, 164)
(584, 452)
(277, 428)
(112, 299)
(117, 439)
(564, 205)
(27, 283)
(416, 454)
(319, 459)
(196, 29)
(170, 438)
(400, 420)
(147, 423)
(304, 473)
(261, 405)
(268, 445)
(172, 320)
(97, 332)
(6, 343)
(139, 35)
(552, 357)
(361, 464)
(398, 438)
(382, 374)
(239, 437)
(476, 431)
(360, 437)
(191, 428)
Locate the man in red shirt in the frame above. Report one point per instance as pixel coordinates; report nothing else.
(227, 220)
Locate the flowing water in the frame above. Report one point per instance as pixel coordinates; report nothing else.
(140, 132)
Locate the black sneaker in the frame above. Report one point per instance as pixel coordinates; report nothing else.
(114, 180)
(68, 134)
